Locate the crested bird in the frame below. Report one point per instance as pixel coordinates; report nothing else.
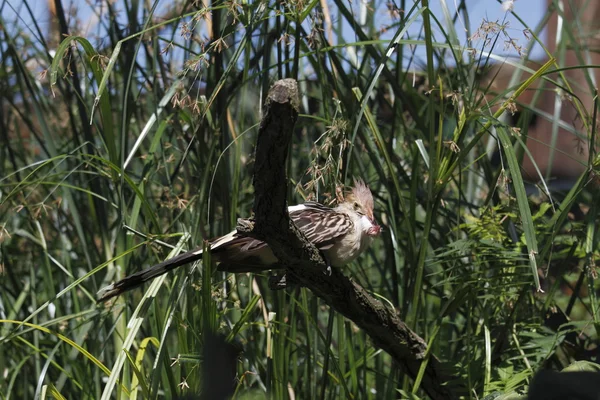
(341, 234)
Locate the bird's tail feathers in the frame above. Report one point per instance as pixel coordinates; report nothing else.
(219, 247)
(134, 280)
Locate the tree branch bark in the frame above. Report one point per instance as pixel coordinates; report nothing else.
(303, 262)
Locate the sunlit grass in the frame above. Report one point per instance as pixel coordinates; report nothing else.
(174, 105)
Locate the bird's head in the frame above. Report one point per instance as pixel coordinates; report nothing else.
(360, 199)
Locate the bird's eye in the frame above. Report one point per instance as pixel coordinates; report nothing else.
(356, 206)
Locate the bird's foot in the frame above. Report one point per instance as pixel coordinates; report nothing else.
(327, 271)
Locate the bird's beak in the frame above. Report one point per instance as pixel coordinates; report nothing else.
(375, 229)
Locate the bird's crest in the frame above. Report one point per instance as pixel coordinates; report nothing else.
(361, 193)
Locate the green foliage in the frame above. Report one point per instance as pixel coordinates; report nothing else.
(124, 149)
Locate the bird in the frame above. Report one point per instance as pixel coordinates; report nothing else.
(341, 234)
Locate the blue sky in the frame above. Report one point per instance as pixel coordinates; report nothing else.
(530, 11)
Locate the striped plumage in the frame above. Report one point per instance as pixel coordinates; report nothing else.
(341, 233)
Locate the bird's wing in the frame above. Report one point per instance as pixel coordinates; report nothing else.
(321, 225)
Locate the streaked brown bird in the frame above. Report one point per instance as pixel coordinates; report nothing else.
(341, 234)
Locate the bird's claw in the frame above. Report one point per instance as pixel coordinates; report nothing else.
(327, 271)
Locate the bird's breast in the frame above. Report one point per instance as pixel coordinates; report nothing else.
(346, 250)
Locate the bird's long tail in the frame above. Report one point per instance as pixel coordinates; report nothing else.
(137, 279)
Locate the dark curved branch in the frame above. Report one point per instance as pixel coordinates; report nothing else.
(303, 262)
